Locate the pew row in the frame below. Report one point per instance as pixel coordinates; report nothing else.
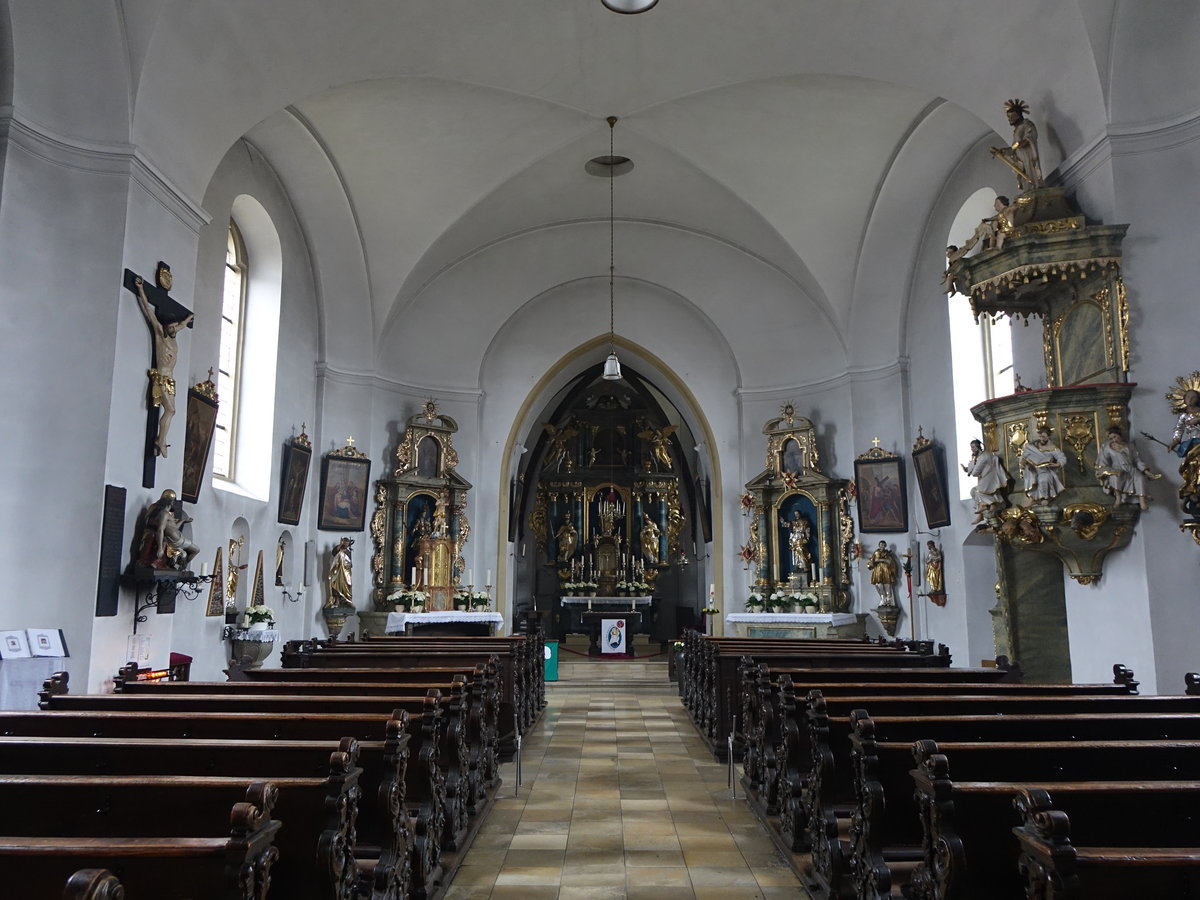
(230, 858)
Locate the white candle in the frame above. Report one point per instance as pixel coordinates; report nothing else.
(414, 575)
(489, 577)
(712, 589)
(470, 580)
(203, 568)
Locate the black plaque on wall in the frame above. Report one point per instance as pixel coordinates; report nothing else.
(112, 537)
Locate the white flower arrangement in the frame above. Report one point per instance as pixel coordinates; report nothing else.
(806, 598)
(409, 599)
(259, 613)
(755, 600)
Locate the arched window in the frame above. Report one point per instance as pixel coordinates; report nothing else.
(981, 353)
(249, 352)
(229, 362)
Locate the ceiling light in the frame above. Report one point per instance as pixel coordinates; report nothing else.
(612, 365)
(629, 7)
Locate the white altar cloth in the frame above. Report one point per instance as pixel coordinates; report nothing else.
(397, 622)
(797, 618)
(607, 602)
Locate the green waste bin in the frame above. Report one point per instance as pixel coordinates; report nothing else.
(551, 660)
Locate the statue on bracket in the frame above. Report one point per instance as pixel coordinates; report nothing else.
(163, 544)
(1042, 463)
(1121, 471)
(1185, 443)
(166, 318)
(1022, 154)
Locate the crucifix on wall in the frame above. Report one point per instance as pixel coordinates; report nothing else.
(166, 318)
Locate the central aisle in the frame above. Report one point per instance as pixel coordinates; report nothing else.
(620, 798)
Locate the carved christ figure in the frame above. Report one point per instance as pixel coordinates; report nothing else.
(166, 353)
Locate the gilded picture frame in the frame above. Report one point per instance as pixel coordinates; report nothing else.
(344, 482)
(198, 434)
(293, 480)
(929, 464)
(882, 493)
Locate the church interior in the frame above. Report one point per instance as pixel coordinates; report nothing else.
(792, 318)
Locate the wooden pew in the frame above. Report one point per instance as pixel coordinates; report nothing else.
(714, 694)
(93, 884)
(406, 820)
(236, 866)
(964, 826)
(1132, 839)
(520, 672)
(899, 833)
(229, 758)
(470, 702)
(772, 754)
(315, 843)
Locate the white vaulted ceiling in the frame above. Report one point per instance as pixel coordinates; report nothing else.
(428, 146)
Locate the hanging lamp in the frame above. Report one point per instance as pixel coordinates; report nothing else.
(612, 365)
(629, 7)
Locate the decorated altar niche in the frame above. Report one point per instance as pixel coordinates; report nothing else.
(420, 524)
(799, 525)
(609, 507)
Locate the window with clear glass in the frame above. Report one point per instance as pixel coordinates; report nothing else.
(229, 364)
(981, 352)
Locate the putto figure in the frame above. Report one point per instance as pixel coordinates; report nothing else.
(1022, 154)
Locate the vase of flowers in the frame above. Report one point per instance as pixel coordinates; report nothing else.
(480, 601)
(779, 602)
(410, 601)
(806, 601)
(754, 603)
(259, 618)
(589, 588)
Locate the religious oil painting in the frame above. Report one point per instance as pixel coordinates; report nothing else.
(201, 420)
(930, 465)
(344, 485)
(293, 481)
(881, 494)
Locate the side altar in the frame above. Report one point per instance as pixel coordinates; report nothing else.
(800, 530)
(420, 523)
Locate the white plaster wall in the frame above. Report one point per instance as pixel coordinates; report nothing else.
(61, 232)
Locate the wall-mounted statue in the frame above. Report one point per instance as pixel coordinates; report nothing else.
(341, 578)
(1042, 463)
(567, 538)
(163, 545)
(935, 573)
(166, 352)
(651, 540)
(1022, 154)
(987, 468)
(1121, 471)
(884, 570)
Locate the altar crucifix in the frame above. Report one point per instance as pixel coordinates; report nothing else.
(166, 318)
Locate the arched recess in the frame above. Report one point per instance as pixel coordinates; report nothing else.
(574, 372)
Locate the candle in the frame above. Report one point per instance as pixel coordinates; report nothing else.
(414, 576)
(203, 568)
(712, 589)
(489, 577)
(814, 571)
(470, 580)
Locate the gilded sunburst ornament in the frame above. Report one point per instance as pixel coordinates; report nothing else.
(1183, 384)
(788, 411)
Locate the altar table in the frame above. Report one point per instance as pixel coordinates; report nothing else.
(455, 621)
(797, 625)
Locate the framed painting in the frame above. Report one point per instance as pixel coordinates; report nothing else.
(345, 475)
(201, 420)
(293, 479)
(882, 498)
(929, 462)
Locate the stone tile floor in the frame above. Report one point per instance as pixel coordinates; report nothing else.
(619, 798)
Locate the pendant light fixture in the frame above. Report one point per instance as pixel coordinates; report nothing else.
(629, 7)
(612, 365)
